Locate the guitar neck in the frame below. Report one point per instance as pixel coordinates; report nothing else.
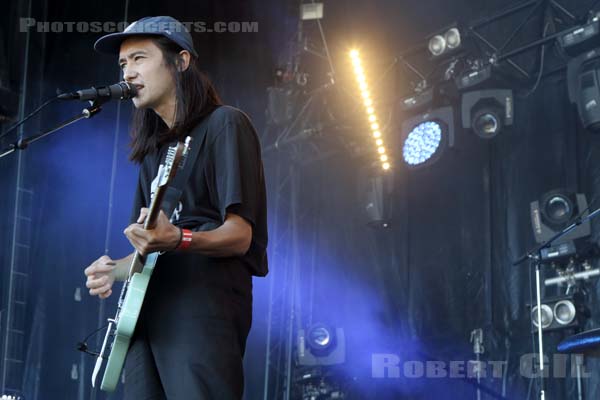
(154, 209)
(137, 263)
(166, 173)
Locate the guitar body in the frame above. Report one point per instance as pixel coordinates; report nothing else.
(128, 317)
(121, 328)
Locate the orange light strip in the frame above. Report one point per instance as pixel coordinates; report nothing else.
(361, 79)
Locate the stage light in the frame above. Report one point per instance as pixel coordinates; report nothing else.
(418, 101)
(583, 77)
(365, 93)
(558, 209)
(310, 11)
(445, 42)
(321, 345)
(425, 136)
(487, 112)
(377, 187)
(553, 212)
(581, 39)
(452, 38)
(437, 45)
(560, 312)
(486, 123)
(319, 338)
(583, 71)
(473, 78)
(422, 142)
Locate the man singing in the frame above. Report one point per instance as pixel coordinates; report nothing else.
(191, 335)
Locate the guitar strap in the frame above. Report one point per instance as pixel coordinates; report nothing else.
(175, 190)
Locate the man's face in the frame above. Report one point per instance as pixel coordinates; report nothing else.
(142, 64)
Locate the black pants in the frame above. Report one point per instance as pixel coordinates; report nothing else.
(200, 360)
(190, 341)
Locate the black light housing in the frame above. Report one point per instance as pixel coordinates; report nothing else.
(581, 39)
(583, 77)
(321, 344)
(417, 101)
(487, 112)
(445, 42)
(554, 211)
(424, 137)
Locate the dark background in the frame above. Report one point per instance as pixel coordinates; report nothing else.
(416, 289)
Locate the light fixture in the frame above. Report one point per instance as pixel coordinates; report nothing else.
(425, 136)
(371, 115)
(473, 77)
(417, 101)
(422, 142)
(583, 76)
(320, 339)
(560, 312)
(583, 71)
(445, 42)
(321, 344)
(487, 112)
(437, 45)
(554, 211)
(581, 38)
(376, 196)
(452, 38)
(310, 11)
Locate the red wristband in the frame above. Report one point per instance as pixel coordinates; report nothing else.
(186, 239)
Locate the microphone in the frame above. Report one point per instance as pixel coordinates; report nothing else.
(118, 91)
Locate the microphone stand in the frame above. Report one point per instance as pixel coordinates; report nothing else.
(88, 112)
(535, 255)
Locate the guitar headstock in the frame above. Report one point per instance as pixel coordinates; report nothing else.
(176, 156)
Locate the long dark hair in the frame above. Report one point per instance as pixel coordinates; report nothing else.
(195, 96)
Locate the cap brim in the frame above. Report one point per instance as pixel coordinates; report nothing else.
(111, 44)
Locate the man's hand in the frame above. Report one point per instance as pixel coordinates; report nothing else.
(100, 277)
(164, 237)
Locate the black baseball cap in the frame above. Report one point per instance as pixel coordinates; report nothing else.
(165, 26)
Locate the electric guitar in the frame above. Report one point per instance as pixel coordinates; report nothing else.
(122, 326)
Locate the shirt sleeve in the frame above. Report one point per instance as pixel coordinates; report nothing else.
(238, 170)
